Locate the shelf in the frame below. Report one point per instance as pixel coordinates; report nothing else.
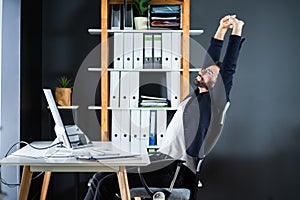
(74, 107)
(97, 69)
(194, 69)
(152, 147)
(94, 107)
(139, 108)
(98, 31)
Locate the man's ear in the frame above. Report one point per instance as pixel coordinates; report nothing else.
(210, 84)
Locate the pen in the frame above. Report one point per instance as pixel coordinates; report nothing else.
(91, 158)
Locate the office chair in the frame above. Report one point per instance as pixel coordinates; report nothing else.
(148, 192)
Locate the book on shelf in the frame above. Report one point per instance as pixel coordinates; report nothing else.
(149, 101)
(152, 97)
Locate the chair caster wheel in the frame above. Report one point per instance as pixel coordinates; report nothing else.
(159, 196)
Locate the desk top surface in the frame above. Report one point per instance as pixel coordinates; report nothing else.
(67, 160)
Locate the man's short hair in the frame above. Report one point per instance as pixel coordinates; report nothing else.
(218, 63)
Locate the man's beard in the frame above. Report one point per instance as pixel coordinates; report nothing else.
(200, 84)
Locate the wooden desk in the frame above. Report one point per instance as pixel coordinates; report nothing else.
(34, 161)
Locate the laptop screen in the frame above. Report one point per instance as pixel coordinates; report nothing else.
(59, 126)
(70, 135)
(53, 108)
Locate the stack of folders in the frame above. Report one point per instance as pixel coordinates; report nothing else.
(144, 51)
(148, 101)
(136, 130)
(165, 16)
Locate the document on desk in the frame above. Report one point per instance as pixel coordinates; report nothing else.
(100, 153)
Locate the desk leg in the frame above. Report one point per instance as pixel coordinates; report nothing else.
(45, 186)
(123, 183)
(25, 183)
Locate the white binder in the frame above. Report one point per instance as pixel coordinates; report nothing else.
(114, 91)
(125, 76)
(124, 89)
(161, 125)
(148, 54)
(118, 50)
(145, 122)
(166, 50)
(173, 85)
(125, 130)
(135, 131)
(116, 127)
(152, 128)
(157, 51)
(128, 50)
(176, 50)
(134, 89)
(138, 48)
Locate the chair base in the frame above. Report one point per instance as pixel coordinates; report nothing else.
(177, 193)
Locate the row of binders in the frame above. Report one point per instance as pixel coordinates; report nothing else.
(144, 51)
(147, 50)
(135, 130)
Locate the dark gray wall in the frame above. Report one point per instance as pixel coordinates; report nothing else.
(54, 42)
(65, 44)
(257, 154)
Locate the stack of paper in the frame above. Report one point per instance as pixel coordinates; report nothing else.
(165, 16)
(148, 101)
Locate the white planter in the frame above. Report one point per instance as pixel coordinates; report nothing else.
(141, 23)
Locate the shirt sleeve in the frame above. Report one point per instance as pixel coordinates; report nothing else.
(228, 66)
(213, 52)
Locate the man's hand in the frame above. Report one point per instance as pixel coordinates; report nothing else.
(237, 26)
(225, 23)
(229, 21)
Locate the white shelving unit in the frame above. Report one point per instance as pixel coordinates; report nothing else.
(105, 32)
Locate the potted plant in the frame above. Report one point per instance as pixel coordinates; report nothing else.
(63, 91)
(142, 8)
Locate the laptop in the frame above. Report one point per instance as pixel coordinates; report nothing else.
(71, 136)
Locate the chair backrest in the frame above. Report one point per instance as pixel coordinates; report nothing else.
(214, 132)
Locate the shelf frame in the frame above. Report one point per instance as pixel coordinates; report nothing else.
(104, 75)
(185, 75)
